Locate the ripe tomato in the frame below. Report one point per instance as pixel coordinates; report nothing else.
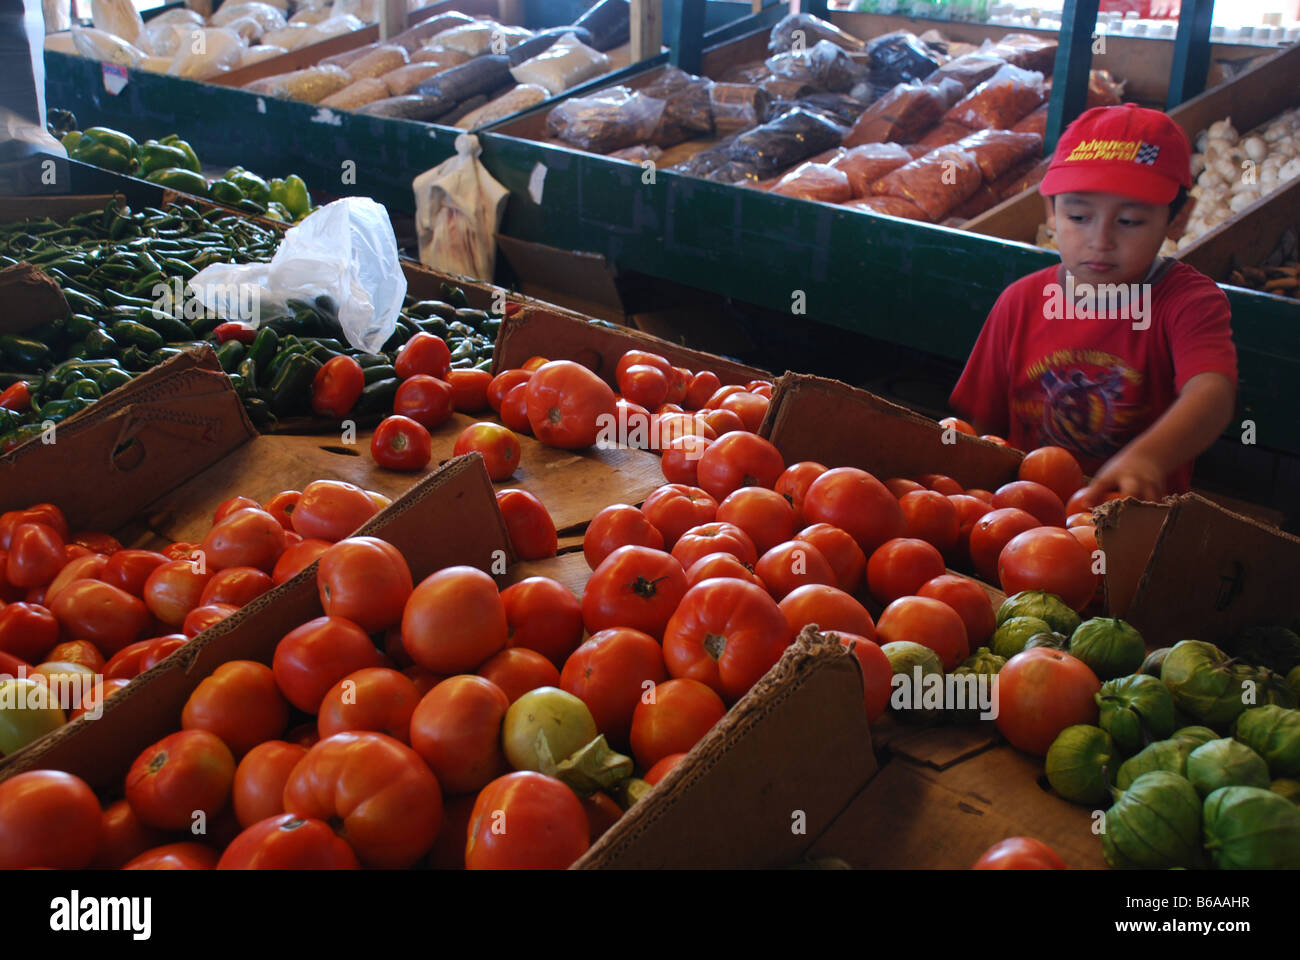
(526, 821)
(543, 615)
(102, 615)
(877, 674)
(667, 427)
(750, 407)
(503, 383)
(160, 649)
(958, 424)
(200, 618)
(423, 353)
(678, 384)
(516, 670)
(618, 525)
(641, 383)
(387, 800)
(92, 701)
(633, 424)
(125, 664)
(297, 557)
(288, 842)
(236, 586)
(336, 387)
(969, 510)
(46, 513)
(246, 538)
(829, 608)
(498, 446)
(566, 402)
(28, 631)
(77, 651)
(978, 494)
(938, 481)
(722, 393)
(87, 567)
(930, 623)
(179, 775)
(1020, 853)
(739, 459)
(365, 580)
(514, 410)
(36, 555)
(260, 778)
(970, 601)
(456, 729)
(1081, 519)
(240, 703)
(1050, 559)
(454, 620)
(681, 459)
(715, 537)
(840, 550)
(469, 390)
(374, 698)
(764, 514)
(791, 565)
(995, 439)
(793, 484)
(331, 510)
(122, 837)
(702, 386)
(185, 855)
(634, 587)
(129, 569)
(424, 399)
(672, 718)
(180, 550)
(399, 443)
(1040, 693)
(674, 508)
(47, 819)
(722, 421)
(899, 568)
(726, 634)
(1053, 467)
(226, 507)
(900, 487)
(313, 657)
(714, 565)
(282, 505)
(1033, 498)
(858, 504)
(610, 673)
(664, 767)
(931, 517)
(643, 357)
(528, 524)
(991, 533)
(173, 589)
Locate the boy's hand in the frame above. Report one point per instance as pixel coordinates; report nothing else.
(1131, 473)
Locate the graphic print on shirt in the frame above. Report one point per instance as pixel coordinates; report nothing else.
(1088, 401)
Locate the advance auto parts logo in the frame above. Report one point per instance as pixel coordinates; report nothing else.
(1136, 151)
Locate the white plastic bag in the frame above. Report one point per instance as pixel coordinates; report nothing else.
(118, 17)
(97, 45)
(345, 249)
(206, 53)
(458, 207)
(57, 16)
(567, 63)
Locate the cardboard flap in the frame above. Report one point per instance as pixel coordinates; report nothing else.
(572, 278)
(774, 771)
(812, 418)
(1127, 531)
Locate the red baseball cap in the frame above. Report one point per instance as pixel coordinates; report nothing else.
(1126, 150)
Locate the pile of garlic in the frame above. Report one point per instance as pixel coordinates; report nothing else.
(1233, 172)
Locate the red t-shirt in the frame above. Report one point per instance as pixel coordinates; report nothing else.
(1092, 385)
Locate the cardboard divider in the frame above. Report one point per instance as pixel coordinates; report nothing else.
(1127, 531)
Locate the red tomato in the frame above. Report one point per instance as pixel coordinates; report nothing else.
(514, 410)
(978, 494)
(726, 634)
(931, 517)
(297, 557)
(226, 507)
(380, 791)
(722, 393)
(185, 855)
(200, 618)
(517, 670)
(991, 533)
(722, 421)
(678, 384)
(129, 569)
(1050, 559)
(715, 537)
(634, 587)
(36, 555)
(423, 353)
(930, 623)
(46, 513)
(456, 729)
(503, 383)
(331, 510)
(899, 568)
(28, 631)
(96, 542)
(122, 837)
(618, 525)
(1054, 468)
(674, 508)
(739, 459)
(47, 819)
(900, 487)
(610, 673)
(399, 443)
(454, 620)
(764, 514)
(958, 424)
(528, 524)
(313, 657)
(829, 608)
(750, 407)
(236, 586)
(642, 357)
(969, 510)
(160, 649)
(365, 580)
(841, 552)
(714, 565)
(498, 446)
(1040, 693)
(1081, 519)
(1020, 853)
(336, 387)
(664, 767)
(173, 589)
(666, 427)
(970, 601)
(877, 674)
(240, 703)
(246, 538)
(374, 698)
(425, 399)
(644, 384)
(288, 842)
(702, 386)
(543, 616)
(125, 664)
(469, 390)
(672, 718)
(282, 505)
(93, 700)
(793, 484)
(181, 550)
(77, 651)
(602, 813)
(633, 424)
(260, 778)
(545, 826)
(858, 504)
(1033, 498)
(102, 615)
(178, 776)
(994, 438)
(681, 458)
(566, 404)
(938, 481)
(791, 565)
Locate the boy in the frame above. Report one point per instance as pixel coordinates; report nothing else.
(1120, 356)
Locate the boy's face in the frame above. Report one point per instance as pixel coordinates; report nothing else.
(1107, 238)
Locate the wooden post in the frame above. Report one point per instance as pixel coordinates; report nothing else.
(1191, 52)
(1073, 65)
(647, 29)
(392, 18)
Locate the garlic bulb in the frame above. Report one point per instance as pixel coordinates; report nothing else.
(1223, 130)
(1255, 148)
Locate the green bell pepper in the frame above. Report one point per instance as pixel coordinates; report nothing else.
(70, 140)
(278, 211)
(192, 159)
(296, 198)
(252, 186)
(107, 148)
(160, 156)
(223, 191)
(178, 178)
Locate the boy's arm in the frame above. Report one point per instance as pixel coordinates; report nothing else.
(1186, 430)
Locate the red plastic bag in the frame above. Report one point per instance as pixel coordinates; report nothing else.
(936, 183)
(1000, 102)
(997, 151)
(1024, 50)
(900, 116)
(942, 135)
(866, 164)
(815, 181)
(1035, 122)
(891, 206)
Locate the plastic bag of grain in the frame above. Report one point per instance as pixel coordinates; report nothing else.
(118, 17)
(357, 94)
(936, 183)
(866, 164)
(520, 98)
(384, 58)
(311, 85)
(997, 151)
(1001, 101)
(97, 45)
(566, 64)
(815, 181)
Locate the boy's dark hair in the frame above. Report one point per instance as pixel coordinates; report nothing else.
(1175, 205)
